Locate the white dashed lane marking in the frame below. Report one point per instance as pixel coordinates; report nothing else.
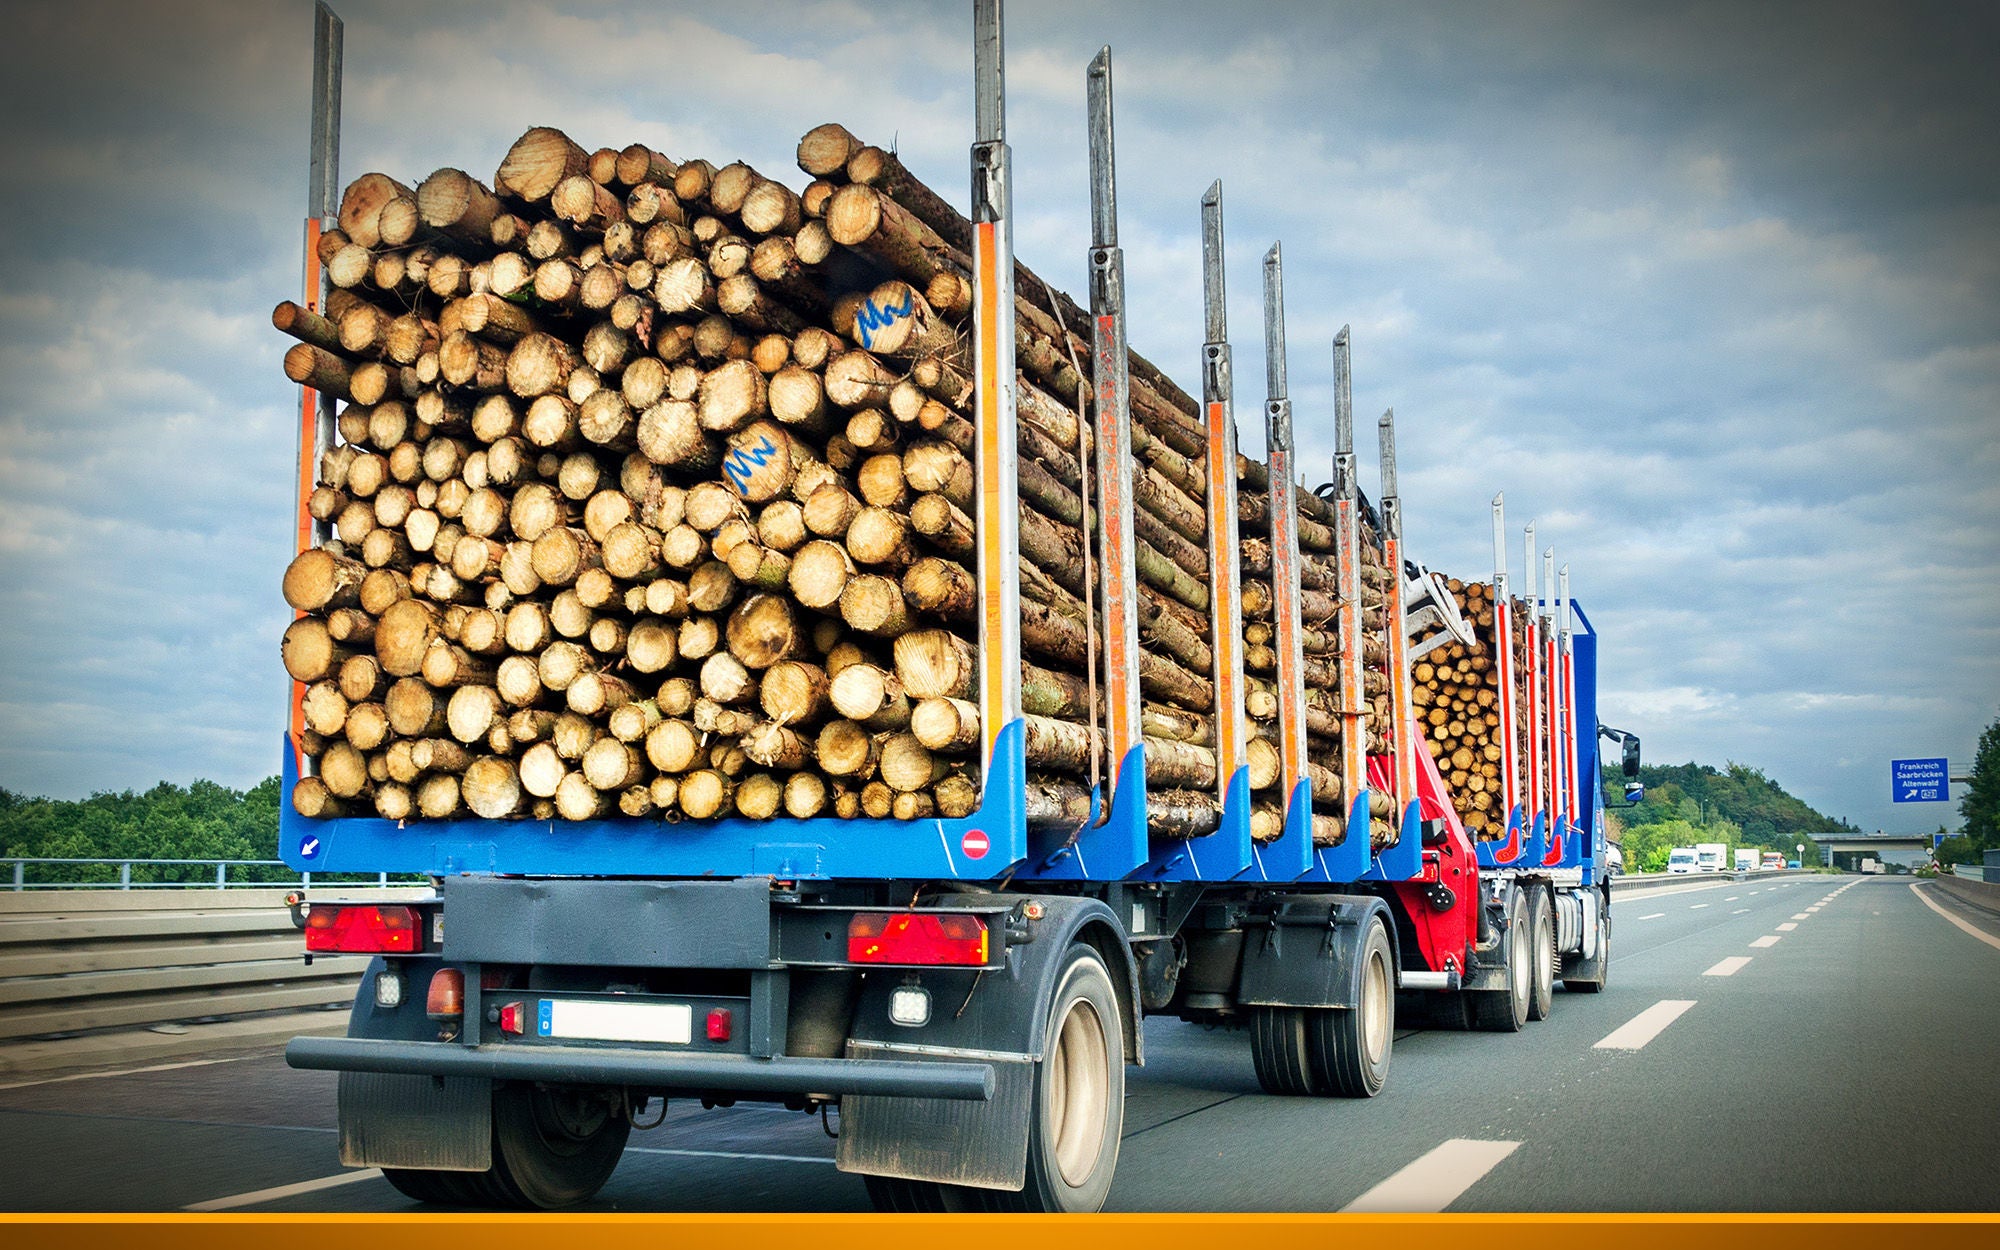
(1435, 1181)
(1645, 1026)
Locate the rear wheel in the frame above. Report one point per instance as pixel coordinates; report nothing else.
(1506, 1010)
(893, 1193)
(1542, 933)
(1079, 1103)
(1281, 1052)
(554, 1145)
(1350, 1045)
(449, 1189)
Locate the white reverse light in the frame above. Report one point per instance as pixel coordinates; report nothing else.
(910, 1006)
(389, 990)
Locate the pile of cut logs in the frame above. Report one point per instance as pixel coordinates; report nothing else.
(653, 495)
(1455, 690)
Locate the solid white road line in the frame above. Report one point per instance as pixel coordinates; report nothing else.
(257, 1196)
(1728, 967)
(1787, 927)
(1981, 934)
(1435, 1181)
(726, 1154)
(1770, 939)
(158, 1067)
(1645, 1026)
(1655, 916)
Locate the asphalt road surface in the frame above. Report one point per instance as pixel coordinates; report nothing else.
(1809, 1044)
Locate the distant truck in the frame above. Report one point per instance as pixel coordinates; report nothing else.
(1747, 860)
(1871, 864)
(1773, 862)
(1711, 856)
(1681, 859)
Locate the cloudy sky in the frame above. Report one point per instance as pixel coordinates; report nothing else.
(1711, 290)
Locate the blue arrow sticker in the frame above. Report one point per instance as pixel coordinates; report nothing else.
(309, 846)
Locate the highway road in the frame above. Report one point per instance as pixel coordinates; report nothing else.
(1809, 1044)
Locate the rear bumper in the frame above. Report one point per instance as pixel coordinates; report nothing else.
(595, 1065)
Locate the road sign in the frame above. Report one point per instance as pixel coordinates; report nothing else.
(1919, 781)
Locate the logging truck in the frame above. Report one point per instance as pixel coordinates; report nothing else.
(869, 688)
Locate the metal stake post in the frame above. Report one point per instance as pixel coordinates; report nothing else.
(998, 507)
(1111, 378)
(1224, 578)
(1399, 643)
(1536, 803)
(1347, 539)
(1503, 650)
(316, 410)
(1573, 799)
(1552, 679)
(1284, 506)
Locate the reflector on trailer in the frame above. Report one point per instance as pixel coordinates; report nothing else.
(369, 929)
(718, 1024)
(923, 937)
(514, 1018)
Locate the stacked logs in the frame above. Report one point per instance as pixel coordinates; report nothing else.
(653, 495)
(1455, 691)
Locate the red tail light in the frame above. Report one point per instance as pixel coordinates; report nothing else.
(371, 929)
(921, 937)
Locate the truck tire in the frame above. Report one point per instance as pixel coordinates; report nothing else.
(1542, 934)
(447, 1189)
(1506, 1011)
(1079, 1103)
(1350, 1046)
(896, 1195)
(1281, 1051)
(553, 1145)
(1596, 984)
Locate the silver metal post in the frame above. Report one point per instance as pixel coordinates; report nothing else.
(1399, 639)
(1347, 538)
(997, 513)
(1284, 532)
(1111, 379)
(324, 168)
(1232, 732)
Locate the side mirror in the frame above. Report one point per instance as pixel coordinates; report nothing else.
(1631, 757)
(1635, 793)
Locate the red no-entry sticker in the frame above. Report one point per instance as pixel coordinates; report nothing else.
(974, 844)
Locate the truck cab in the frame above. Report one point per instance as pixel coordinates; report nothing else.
(1681, 859)
(1711, 857)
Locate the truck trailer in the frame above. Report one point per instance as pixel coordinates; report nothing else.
(966, 990)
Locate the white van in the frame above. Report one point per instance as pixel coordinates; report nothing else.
(1681, 859)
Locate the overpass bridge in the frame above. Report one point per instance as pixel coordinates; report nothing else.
(1846, 851)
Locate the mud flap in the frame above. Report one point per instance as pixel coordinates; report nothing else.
(982, 1144)
(441, 1123)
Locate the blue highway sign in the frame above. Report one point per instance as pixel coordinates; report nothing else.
(1919, 781)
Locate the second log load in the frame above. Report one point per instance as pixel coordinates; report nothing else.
(653, 494)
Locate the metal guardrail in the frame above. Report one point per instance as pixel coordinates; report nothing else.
(75, 961)
(18, 869)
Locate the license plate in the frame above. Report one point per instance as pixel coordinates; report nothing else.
(597, 1021)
